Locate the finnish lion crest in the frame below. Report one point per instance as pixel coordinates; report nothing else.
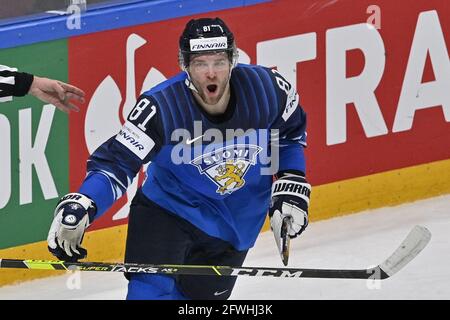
(226, 167)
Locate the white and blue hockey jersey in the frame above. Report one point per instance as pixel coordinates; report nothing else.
(214, 171)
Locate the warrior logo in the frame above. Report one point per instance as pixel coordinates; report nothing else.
(226, 167)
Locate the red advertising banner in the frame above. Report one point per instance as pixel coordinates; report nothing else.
(373, 79)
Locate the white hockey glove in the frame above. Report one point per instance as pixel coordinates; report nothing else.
(73, 214)
(290, 200)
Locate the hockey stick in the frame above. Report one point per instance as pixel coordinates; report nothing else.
(416, 240)
(283, 240)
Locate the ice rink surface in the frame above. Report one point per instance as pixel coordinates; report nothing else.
(353, 242)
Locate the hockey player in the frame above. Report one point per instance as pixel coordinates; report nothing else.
(18, 84)
(206, 194)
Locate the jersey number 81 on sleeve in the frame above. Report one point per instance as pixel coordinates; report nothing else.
(138, 110)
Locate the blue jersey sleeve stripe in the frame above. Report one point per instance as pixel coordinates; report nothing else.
(98, 187)
(102, 160)
(116, 183)
(292, 157)
(117, 192)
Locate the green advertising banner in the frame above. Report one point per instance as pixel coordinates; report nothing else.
(34, 167)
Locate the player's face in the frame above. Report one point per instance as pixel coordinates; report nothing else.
(209, 73)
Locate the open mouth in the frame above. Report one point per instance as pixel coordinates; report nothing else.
(212, 88)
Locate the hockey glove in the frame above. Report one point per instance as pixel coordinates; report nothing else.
(73, 214)
(290, 201)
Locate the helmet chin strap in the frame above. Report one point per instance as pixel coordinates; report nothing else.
(189, 82)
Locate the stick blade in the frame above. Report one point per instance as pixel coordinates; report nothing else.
(285, 241)
(415, 242)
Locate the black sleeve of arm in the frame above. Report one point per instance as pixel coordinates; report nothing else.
(19, 87)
